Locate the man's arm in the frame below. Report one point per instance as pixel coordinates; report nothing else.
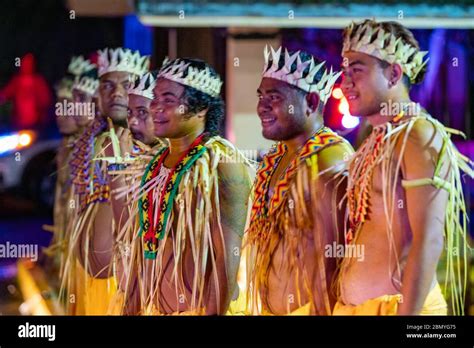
(234, 190)
(426, 206)
(329, 221)
(101, 244)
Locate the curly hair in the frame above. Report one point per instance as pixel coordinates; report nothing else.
(198, 101)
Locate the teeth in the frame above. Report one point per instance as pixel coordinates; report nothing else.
(351, 97)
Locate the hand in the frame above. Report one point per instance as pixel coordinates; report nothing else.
(125, 139)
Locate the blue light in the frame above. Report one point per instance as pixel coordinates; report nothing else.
(137, 36)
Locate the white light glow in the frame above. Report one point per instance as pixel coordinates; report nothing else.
(349, 121)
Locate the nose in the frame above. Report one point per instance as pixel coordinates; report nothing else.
(132, 120)
(347, 82)
(263, 106)
(153, 105)
(119, 92)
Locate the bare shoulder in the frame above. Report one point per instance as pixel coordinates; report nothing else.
(334, 158)
(425, 133)
(421, 149)
(424, 139)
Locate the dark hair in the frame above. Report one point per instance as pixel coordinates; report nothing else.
(406, 36)
(198, 101)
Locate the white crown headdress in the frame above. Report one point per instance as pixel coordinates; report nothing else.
(201, 80)
(375, 42)
(304, 74)
(122, 59)
(86, 84)
(144, 86)
(79, 66)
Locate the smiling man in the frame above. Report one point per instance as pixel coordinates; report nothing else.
(185, 221)
(293, 218)
(404, 188)
(93, 223)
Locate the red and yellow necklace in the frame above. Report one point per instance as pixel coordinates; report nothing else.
(262, 206)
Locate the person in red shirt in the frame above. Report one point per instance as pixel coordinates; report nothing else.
(30, 95)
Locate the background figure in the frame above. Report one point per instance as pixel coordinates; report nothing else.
(30, 95)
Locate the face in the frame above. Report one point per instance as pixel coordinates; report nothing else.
(140, 121)
(170, 113)
(364, 84)
(281, 110)
(113, 95)
(67, 123)
(85, 118)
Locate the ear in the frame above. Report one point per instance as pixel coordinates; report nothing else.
(396, 74)
(202, 113)
(312, 101)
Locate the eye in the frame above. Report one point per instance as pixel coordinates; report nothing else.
(357, 70)
(259, 96)
(107, 86)
(274, 97)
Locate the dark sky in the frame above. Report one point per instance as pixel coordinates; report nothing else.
(45, 29)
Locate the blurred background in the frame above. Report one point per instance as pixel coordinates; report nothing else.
(230, 35)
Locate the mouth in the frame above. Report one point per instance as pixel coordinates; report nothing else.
(160, 122)
(116, 106)
(136, 134)
(267, 121)
(352, 97)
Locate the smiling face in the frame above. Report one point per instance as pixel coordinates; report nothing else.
(113, 95)
(365, 83)
(139, 118)
(170, 113)
(281, 111)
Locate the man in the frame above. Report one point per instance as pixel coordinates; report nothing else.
(84, 92)
(191, 202)
(118, 68)
(139, 118)
(30, 95)
(293, 219)
(404, 187)
(70, 131)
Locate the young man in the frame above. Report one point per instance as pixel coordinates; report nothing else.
(70, 131)
(140, 121)
(404, 188)
(84, 92)
(191, 203)
(93, 223)
(293, 219)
